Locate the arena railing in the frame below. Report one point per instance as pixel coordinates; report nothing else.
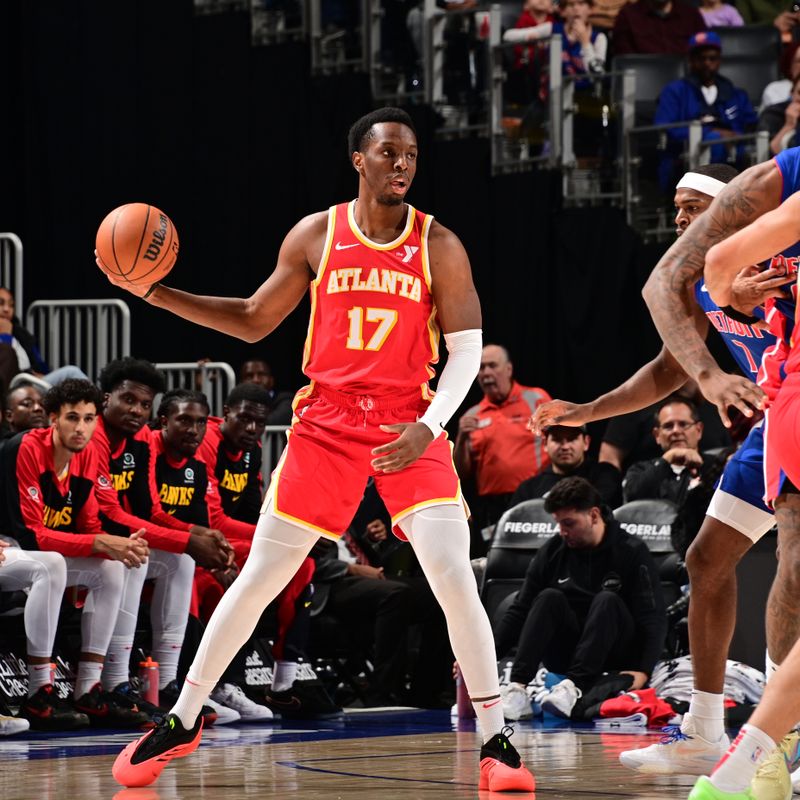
(11, 267)
(84, 333)
(214, 379)
(273, 443)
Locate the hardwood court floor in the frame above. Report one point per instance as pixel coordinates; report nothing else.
(394, 755)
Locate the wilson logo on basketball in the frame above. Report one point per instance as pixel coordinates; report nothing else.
(159, 237)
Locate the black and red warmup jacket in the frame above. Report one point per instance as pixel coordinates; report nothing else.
(188, 491)
(42, 512)
(126, 492)
(238, 474)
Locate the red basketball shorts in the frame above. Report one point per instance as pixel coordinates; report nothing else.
(782, 438)
(320, 479)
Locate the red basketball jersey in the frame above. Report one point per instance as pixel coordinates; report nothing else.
(373, 327)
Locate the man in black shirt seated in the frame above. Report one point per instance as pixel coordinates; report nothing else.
(567, 448)
(591, 602)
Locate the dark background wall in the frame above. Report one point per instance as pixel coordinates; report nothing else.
(106, 103)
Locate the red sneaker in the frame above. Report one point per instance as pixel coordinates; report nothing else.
(502, 769)
(142, 761)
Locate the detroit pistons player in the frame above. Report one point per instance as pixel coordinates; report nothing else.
(384, 279)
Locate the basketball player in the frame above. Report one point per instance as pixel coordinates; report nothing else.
(50, 505)
(122, 449)
(737, 516)
(779, 710)
(754, 193)
(384, 278)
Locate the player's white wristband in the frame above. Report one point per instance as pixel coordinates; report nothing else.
(463, 362)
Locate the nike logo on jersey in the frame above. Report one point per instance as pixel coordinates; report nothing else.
(340, 246)
(563, 580)
(703, 289)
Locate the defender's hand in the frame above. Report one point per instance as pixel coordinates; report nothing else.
(412, 442)
(558, 412)
(724, 390)
(752, 288)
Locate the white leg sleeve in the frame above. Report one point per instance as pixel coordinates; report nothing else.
(105, 581)
(278, 550)
(44, 576)
(440, 538)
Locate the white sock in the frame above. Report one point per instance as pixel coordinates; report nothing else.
(88, 675)
(193, 694)
(284, 675)
(167, 652)
(770, 666)
(738, 766)
(708, 714)
(489, 712)
(118, 658)
(38, 675)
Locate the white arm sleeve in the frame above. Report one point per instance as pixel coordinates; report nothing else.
(463, 362)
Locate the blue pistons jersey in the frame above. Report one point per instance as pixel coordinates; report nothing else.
(746, 343)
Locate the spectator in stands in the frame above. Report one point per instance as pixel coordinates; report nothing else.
(780, 121)
(681, 466)
(717, 13)
(494, 444)
(629, 438)
(567, 449)
(28, 358)
(584, 49)
(766, 12)
(121, 446)
(604, 13)
(780, 90)
(231, 448)
(527, 81)
(591, 602)
(24, 409)
(259, 371)
(655, 26)
(707, 96)
(50, 475)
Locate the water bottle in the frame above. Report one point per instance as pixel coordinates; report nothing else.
(463, 703)
(148, 675)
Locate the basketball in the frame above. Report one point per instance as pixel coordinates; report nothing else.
(137, 242)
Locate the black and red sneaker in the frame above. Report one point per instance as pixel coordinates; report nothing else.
(303, 700)
(142, 761)
(47, 712)
(105, 710)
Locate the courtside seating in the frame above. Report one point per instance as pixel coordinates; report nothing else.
(651, 520)
(521, 531)
(751, 73)
(750, 40)
(653, 73)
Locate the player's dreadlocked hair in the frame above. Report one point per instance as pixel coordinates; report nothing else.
(175, 396)
(248, 392)
(131, 369)
(69, 393)
(361, 129)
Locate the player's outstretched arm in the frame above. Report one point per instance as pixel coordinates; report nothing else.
(766, 236)
(653, 382)
(253, 317)
(668, 291)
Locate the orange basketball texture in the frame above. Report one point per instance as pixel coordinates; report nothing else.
(138, 242)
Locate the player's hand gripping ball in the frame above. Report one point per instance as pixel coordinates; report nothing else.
(137, 246)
